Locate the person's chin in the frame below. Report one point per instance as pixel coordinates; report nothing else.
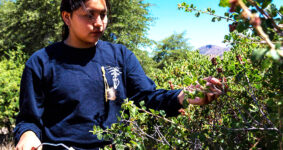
(96, 34)
(93, 39)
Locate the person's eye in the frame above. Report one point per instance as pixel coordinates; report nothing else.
(102, 16)
(90, 16)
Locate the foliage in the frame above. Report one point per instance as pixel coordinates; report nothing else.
(11, 67)
(31, 23)
(129, 23)
(247, 116)
(147, 63)
(37, 23)
(259, 17)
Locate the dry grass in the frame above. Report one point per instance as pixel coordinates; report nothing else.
(7, 146)
(6, 141)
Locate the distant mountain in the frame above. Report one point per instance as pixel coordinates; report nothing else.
(213, 50)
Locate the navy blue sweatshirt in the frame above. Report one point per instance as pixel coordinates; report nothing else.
(62, 93)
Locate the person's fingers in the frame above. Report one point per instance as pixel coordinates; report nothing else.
(213, 81)
(208, 84)
(27, 147)
(197, 101)
(198, 86)
(27, 141)
(200, 101)
(207, 78)
(39, 148)
(189, 88)
(209, 97)
(216, 82)
(17, 148)
(215, 90)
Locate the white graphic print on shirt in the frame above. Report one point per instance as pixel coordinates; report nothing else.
(115, 72)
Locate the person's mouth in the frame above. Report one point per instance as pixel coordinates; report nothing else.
(96, 32)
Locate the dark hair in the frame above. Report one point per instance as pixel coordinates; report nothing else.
(70, 6)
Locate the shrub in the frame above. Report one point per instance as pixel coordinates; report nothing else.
(11, 67)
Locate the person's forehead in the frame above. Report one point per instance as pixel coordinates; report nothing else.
(96, 5)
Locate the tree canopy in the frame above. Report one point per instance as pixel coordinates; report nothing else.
(171, 48)
(37, 23)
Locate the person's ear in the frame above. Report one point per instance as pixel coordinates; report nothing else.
(66, 17)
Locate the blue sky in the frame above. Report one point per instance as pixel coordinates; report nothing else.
(200, 31)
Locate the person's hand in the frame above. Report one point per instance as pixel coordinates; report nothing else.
(27, 141)
(214, 90)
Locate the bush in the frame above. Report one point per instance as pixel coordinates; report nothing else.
(11, 67)
(248, 115)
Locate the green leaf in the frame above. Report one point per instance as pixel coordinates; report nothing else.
(209, 9)
(224, 3)
(197, 14)
(281, 10)
(273, 54)
(259, 53)
(226, 14)
(185, 103)
(265, 3)
(133, 142)
(199, 94)
(162, 113)
(142, 103)
(152, 111)
(266, 63)
(187, 80)
(99, 136)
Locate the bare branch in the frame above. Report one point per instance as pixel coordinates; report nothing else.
(253, 129)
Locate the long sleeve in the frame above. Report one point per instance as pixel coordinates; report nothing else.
(31, 104)
(140, 87)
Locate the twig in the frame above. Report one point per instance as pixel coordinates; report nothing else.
(253, 18)
(265, 14)
(252, 94)
(255, 145)
(155, 115)
(205, 12)
(161, 135)
(141, 131)
(253, 129)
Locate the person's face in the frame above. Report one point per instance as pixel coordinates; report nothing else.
(86, 25)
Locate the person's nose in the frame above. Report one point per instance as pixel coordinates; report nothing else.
(98, 21)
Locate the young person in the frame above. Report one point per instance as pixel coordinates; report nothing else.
(70, 86)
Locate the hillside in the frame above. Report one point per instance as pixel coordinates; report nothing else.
(212, 50)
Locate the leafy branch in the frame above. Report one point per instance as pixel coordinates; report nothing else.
(209, 11)
(266, 15)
